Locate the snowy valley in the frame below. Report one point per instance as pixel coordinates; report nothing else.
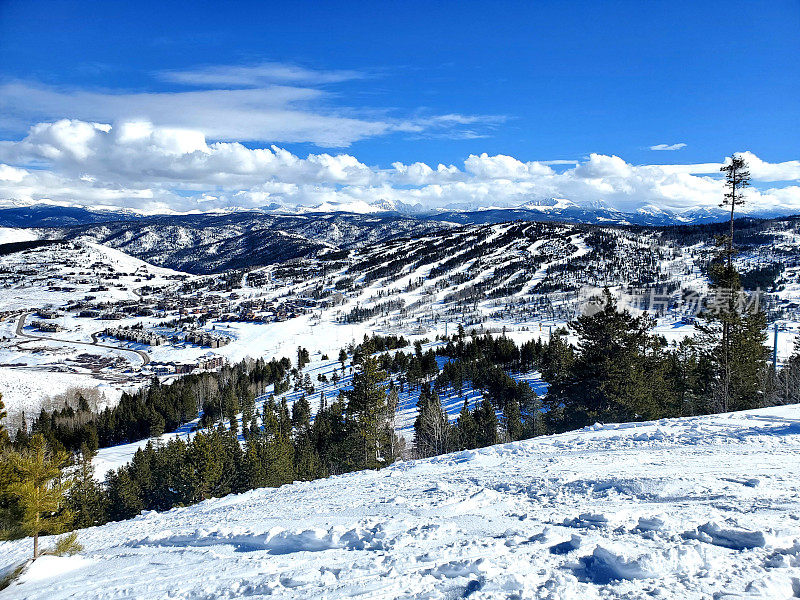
(525, 278)
(426, 301)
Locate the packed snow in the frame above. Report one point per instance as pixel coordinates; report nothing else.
(11, 235)
(701, 507)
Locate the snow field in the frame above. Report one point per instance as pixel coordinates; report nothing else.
(10, 235)
(702, 507)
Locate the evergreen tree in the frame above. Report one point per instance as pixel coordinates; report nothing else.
(307, 463)
(303, 357)
(87, 500)
(691, 376)
(301, 414)
(737, 177)
(485, 424)
(188, 405)
(10, 509)
(513, 420)
(125, 495)
(556, 358)
(205, 464)
(156, 424)
(611, 377)
(367, 407)
(392, 402)
(787, 385)
(533, 423)
(274, 449)
(467, 428)
(41, 490)
(733, 335)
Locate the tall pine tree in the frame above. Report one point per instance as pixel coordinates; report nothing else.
(41, 490)
(367, 407)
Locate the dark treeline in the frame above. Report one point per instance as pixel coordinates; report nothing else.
(13, 247)
(748, 230)
(762, 278)
(360, 313)
(157, 408)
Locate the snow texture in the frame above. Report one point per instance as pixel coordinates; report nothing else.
(702, 507)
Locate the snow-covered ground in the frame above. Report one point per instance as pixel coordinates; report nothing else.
(703, 507)
(10, 235)
(23, 389)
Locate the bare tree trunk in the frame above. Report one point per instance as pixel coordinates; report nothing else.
(726, 381)
(730, 239)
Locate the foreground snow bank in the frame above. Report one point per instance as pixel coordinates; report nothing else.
(689, 508)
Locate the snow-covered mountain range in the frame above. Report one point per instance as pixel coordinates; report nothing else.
(217, 241)
(551, 209)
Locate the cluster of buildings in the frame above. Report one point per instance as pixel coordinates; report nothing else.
(131, 334)
(112, 311)
(266, 311)
(47, 327)
(204, 338)
(147, 337)
(207, 362)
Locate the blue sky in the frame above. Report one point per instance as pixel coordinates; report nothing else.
(430, 82)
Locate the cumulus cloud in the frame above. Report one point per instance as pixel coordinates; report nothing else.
(677, 146)
(764, 171)
(504, 167)
(154, 168)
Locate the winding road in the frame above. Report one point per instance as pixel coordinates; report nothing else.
(21, 324)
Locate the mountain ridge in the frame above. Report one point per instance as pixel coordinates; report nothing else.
(552, 209)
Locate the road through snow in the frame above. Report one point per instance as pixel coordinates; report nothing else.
(20, 332)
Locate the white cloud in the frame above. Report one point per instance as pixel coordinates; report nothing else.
(764, 171)
(11, 174)
(153, 168)
(274, 102)
(256, 75)
(504, 167)
(277, 113)
(677, 146)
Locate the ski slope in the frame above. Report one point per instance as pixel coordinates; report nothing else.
(702, 507)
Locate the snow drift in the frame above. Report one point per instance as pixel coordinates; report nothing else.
(687, 508)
